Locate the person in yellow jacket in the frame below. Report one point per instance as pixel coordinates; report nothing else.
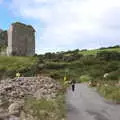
(17, 75)
(66, 81)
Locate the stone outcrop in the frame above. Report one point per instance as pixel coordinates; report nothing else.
(39, 87)
(13, 93)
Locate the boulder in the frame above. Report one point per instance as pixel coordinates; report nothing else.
(15, 108)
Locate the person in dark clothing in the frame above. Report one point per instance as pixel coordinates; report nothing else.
(73, 85)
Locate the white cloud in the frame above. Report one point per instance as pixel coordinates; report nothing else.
(1, 1)
(73, 23)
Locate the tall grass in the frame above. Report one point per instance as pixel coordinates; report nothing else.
(46, 109)
(10, 65)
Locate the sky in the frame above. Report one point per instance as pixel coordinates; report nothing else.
(63, 25)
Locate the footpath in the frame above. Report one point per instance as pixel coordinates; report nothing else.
(86, 104)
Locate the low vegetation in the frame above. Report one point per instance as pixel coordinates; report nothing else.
(41, 109)
(82, 66)
(10, 65)
(85, 65)
(110, 90)
(46, 109)
(94, 52)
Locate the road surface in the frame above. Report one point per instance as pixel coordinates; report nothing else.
(86, 104)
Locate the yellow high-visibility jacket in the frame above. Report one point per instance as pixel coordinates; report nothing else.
(18, 74)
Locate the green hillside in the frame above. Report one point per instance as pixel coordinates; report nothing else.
(10, 65)
(94, 52)
(85, 65)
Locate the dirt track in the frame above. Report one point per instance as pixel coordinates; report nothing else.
(86, 104)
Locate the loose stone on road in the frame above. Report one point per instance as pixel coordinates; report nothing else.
(86, 104)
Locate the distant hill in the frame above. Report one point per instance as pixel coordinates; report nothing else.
(91, 52)
(95, 51)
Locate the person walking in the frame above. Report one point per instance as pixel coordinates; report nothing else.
(17, 75)
(66, 81)
(73, 85)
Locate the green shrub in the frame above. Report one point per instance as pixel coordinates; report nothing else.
(112, 66)
(88, 60)
(114, 75)
(95, 73)
(54, 65)
(85, 78)
(55, 75)
(109, 55)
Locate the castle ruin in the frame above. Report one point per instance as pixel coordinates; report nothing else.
(20, 40)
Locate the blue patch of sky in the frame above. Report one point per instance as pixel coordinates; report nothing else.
(7, 17)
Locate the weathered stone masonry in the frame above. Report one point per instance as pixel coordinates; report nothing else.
(21, 40)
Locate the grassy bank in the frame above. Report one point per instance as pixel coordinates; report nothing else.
(10, 65)
(46, 109)
(110, 90)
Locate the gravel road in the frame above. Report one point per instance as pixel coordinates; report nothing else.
(86, 104)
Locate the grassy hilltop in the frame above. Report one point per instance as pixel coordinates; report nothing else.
(94, 52)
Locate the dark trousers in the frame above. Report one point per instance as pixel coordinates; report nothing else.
(73, 87)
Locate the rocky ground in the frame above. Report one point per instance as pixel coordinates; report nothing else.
(13, 93)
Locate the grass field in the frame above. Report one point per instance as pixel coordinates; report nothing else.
(14, 62)
(10, 65)
(94, 52)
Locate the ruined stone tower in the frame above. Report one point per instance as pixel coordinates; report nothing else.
(21, 40)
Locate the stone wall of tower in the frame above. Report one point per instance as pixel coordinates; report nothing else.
(21, 40)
